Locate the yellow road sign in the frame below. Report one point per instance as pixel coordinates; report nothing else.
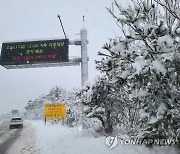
(54, 110)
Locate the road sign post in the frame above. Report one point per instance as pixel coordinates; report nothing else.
(84, 65)
(84, 56)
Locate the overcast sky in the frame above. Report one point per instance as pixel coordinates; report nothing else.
(23, 20)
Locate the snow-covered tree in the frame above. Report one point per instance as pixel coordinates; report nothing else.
(56, 94)
(145, 62)
(108, 102)
(99, 104)
(35, 108)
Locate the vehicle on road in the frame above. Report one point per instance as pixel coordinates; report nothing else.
(16, 122)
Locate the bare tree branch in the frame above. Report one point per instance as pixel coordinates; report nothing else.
(174, 14)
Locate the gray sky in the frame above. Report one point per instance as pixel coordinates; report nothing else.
(23, 20)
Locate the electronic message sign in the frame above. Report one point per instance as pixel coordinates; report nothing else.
(32, 52)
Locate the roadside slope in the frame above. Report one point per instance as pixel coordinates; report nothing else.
(58, 139)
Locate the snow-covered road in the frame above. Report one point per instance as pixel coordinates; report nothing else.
(7, 136)
(26, 143)
(37, 138)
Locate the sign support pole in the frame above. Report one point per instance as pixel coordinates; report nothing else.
(44, 121)
(84, 64)
(84, 56)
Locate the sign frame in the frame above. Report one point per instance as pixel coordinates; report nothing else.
(34, 52)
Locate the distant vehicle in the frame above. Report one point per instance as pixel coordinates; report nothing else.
(16, 122)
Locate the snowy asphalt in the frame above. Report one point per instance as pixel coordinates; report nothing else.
(7, 136)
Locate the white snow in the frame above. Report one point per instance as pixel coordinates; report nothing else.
(148, 27)
(153, 120)
(161, 111)
(175, 25)
(166, 43)
(178, 30)
(156, 65)
(125, 74)
(142, 93)
(37, 138)
(120, 47)
(139, 64)
(25, 144)
(143, 114)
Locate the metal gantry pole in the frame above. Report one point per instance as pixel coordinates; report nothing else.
(84, 62)
(84, 65)
(84, 56)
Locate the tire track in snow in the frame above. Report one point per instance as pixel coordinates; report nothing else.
(8, 140)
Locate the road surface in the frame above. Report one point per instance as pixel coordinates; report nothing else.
(7, 136)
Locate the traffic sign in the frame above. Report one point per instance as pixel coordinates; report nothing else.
(33, 52)
(15, 112)
(54, 110)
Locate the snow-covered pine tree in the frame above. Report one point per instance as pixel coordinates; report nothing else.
(108, 102)
(145, 61)
(56, 94)
(98, 103)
